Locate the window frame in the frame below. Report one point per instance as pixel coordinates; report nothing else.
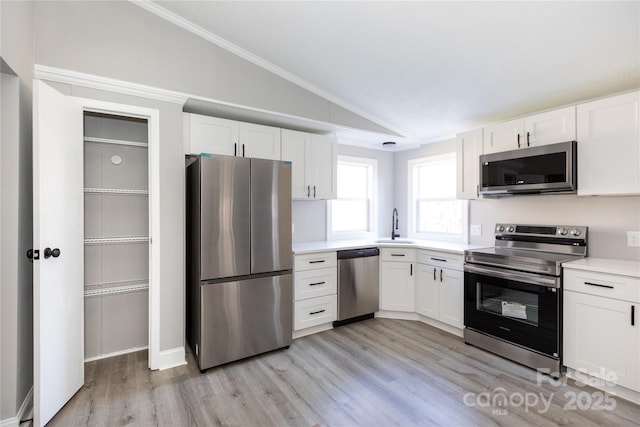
(412, 201)
(373, 217)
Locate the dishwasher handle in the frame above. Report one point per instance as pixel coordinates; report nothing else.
(358, 253)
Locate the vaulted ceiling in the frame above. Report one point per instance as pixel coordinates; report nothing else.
(428, 69)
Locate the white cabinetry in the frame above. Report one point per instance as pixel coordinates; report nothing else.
(540, 129)
(439, 287)
(601, 323)
(204, 134)
(397, 279)
(315, 290)
(470, 145)
(314, 164)
(609, 152)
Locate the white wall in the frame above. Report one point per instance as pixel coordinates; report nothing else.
(120, 40)
(16, 340)
(608, 219)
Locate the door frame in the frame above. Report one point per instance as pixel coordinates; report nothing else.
(153, 127)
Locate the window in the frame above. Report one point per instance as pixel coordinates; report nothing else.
(351, 215)
(434, 212)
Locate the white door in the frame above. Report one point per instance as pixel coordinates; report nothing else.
(427, 291)
(452, 297)
(212, 135)
(294, 146)
(550, 127)
(58, 299)
(397, 292)
(322, 166)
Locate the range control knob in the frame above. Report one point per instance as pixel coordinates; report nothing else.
(510, 229)
(500, 228)
(575, 232)
(562, 231)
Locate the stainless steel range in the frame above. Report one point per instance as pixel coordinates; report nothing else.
(513, 292)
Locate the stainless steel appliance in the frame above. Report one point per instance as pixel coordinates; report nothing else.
(358, 284)
(543, 169)
(239, 258)
(513, 292)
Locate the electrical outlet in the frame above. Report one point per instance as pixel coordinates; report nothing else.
(476, 230)
(633, 238)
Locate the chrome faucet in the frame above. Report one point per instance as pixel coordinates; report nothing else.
(394, 224)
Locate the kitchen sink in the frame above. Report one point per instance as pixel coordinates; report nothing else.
(399, 241)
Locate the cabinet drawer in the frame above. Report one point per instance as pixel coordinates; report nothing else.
(315, 283)
(398, 254)
(314, 261)
(315, 311)
(440, 259)
(607, 285)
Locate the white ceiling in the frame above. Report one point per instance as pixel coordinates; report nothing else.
(428, 70)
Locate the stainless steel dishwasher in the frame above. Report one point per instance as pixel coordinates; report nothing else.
(358, 284)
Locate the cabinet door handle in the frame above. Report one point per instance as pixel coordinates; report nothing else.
(438, 259)
(316, 312)
(633, 315)
(441, 275)
(518, 139)
(308, 191)
(434, 273)
(242, 150)
(598, 285)
(527, 139)
(410, 269)
(314, 191)
(317, 283)
(397, 254)
(316, 262)
(235, 149)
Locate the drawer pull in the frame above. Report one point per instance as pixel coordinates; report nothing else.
(316, 262)
(598, 285)
(397, 254)
(438, 259)
(316, 312)
(317, 283)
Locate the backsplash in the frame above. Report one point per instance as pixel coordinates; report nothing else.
(608, 219)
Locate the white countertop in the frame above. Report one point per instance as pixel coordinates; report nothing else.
(336, 245)
(605, 265)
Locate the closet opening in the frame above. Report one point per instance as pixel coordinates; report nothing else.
(116, 235)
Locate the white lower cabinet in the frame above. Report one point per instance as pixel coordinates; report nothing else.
(397, 279)
(314, 312)
(439, 290)
(315, 290)
(601, 326)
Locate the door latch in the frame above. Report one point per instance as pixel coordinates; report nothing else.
(33, 254)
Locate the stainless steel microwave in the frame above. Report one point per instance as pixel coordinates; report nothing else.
(544, 169)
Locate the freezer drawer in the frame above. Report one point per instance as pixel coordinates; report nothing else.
(243, 318)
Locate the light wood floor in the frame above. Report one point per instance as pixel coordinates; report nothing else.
(378, 372)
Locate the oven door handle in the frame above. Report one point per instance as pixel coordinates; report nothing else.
(532, 279)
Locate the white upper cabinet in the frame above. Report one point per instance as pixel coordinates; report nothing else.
(550, 127)
(470, 144)
(204, 134)
(540, 129)
(314, 164)
(609, 146)
(259, 142)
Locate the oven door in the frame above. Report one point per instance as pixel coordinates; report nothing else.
(521, 308)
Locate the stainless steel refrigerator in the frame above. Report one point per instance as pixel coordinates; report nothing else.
(239, 259)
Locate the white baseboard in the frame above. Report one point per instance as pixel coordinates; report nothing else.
(401, 315)
(172, 358)
(312, 330)
(442, 326)
(115, 353)
(26, 404)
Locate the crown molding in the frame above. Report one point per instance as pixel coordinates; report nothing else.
(44, 72)
(169, 16)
